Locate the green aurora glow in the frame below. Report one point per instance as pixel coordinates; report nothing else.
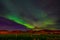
(18, 20)
(28, 25)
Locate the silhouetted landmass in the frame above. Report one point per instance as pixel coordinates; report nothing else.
(6, 24)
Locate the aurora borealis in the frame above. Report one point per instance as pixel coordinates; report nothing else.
(31, 13)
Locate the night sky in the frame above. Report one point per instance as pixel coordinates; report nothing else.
(43, 14)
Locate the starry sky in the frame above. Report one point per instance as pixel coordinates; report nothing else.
(31, 13)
